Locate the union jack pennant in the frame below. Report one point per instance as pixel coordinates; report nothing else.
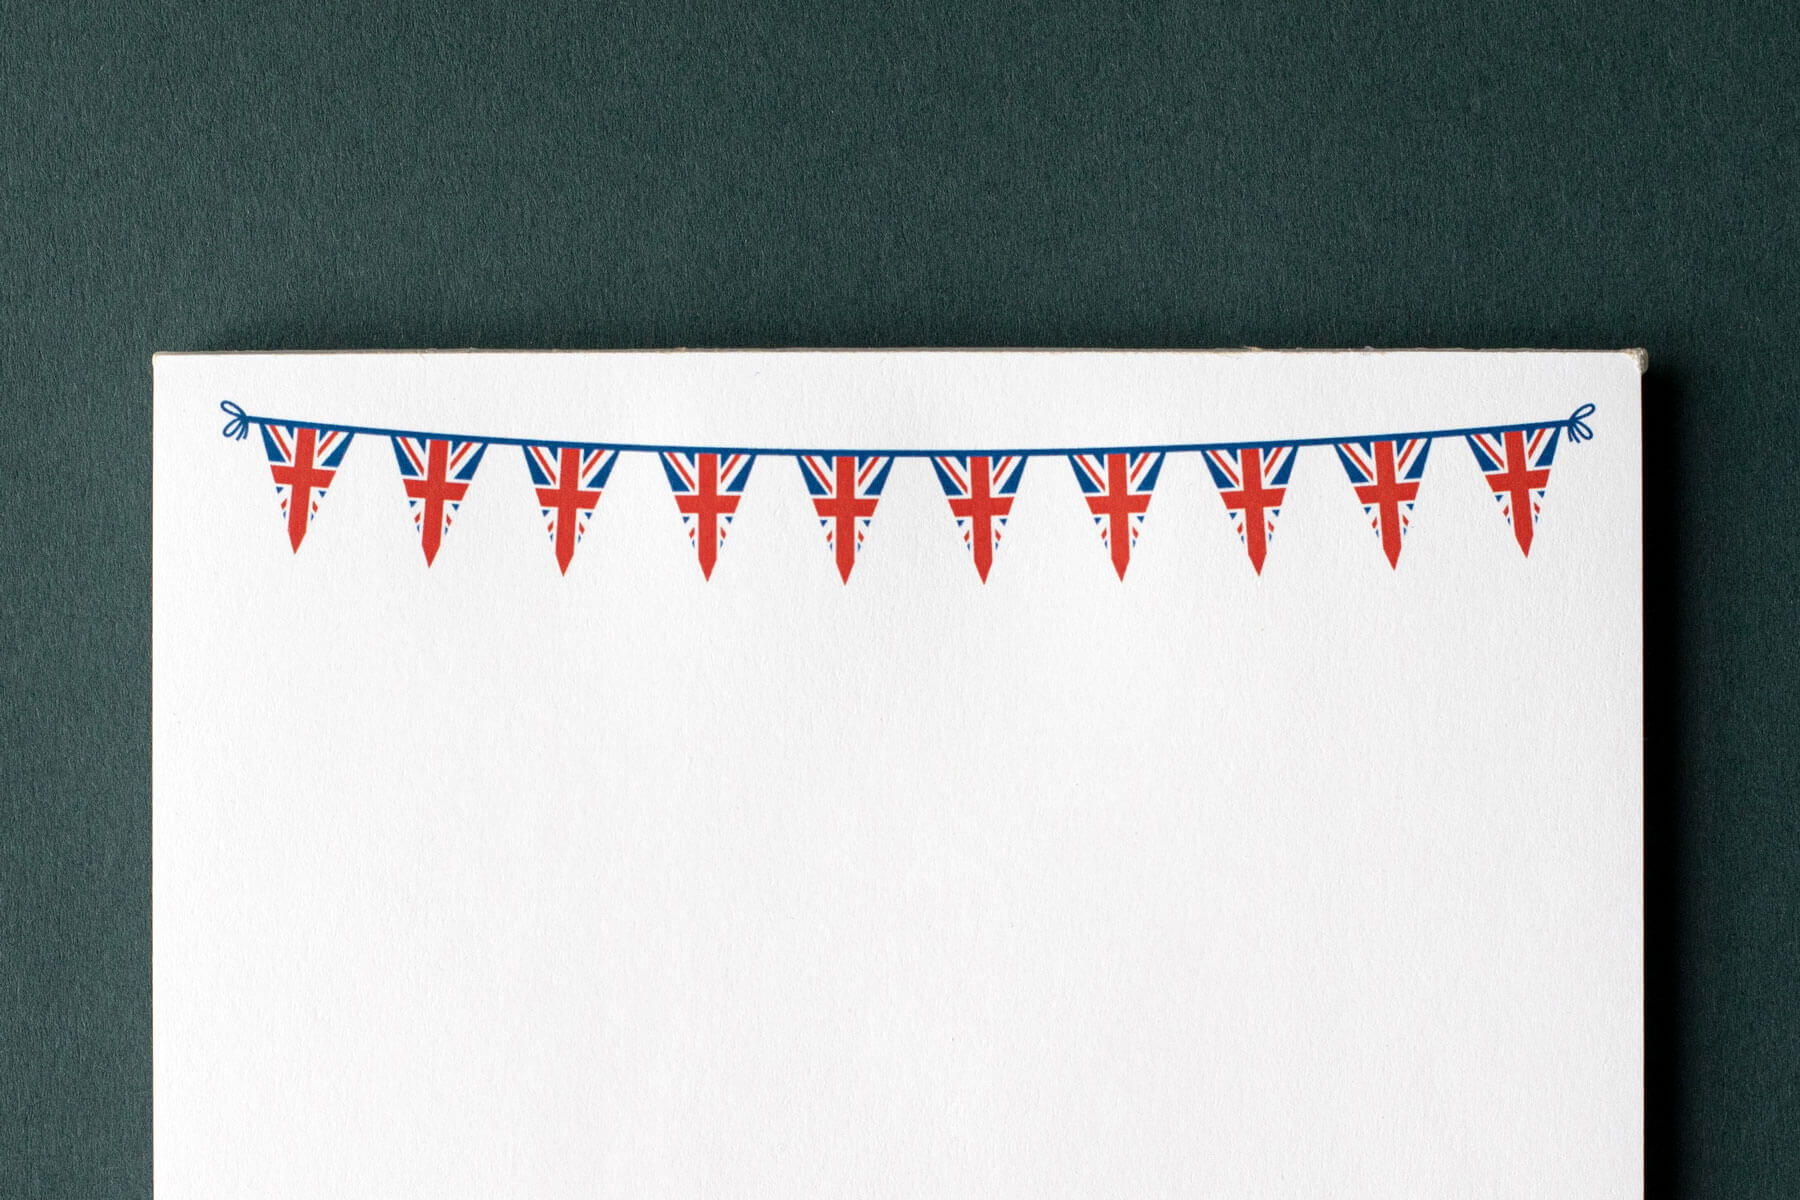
(980, 489)
(844, 489)
(707, 489)
(1517, 465)
(303, 461)
(436, 472)
(568, 480)
(1386, 476)
(1252, 481)
(1117, 489)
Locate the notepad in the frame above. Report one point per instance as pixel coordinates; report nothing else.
(898, 773)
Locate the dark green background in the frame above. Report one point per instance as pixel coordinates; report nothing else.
(518, 175)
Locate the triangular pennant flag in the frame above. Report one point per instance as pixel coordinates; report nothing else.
(1252, 481)
(436, 472)
(981, 490)
(1517, 465)
(1117, 489)
(707, 488)
(844, 489)
(304, 461)
(1386, 476)
(568, 481)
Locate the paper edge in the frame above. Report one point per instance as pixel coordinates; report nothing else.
(1638, 354)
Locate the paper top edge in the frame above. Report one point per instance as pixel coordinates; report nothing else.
(1638, 354)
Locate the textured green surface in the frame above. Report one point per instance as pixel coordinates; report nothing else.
(287, 176)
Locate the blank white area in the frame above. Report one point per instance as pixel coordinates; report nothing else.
(483, 881)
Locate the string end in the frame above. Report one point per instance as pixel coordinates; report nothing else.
(1579, 429)
(239, 425)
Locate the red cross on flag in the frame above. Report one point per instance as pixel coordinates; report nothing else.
(707, 489)
(303, 461)
(844, 489)
(1117, 489)
(436, 472)
(1252, 481)
(980, 489)
(1517, 465)
(1386, 477)
(568, 480)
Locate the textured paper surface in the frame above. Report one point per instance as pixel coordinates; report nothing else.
(481, 879)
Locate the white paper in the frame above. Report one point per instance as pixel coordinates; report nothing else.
(484, 880)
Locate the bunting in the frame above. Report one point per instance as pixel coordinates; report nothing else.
(1517, 465)
(707, 488)
(1117, 488)
(568, 481)
(304, 460)
(437, 473)
(980, 489)
(844, 489)
(1386, 476)
(1115, 483)
(1252, 481)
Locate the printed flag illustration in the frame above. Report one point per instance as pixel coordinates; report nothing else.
(1517, 465)
(568, 481)
(1384, 470)
(436, 472)
(303, 461)
(1386, 476)
(844, 489)
(707, 489)
(1117, 489)
(1252, 481)
(981, 490)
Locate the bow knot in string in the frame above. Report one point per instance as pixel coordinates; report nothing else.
(239, 425)
(1579, 429)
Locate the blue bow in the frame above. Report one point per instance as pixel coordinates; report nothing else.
(239, 425)
(1579, 429)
